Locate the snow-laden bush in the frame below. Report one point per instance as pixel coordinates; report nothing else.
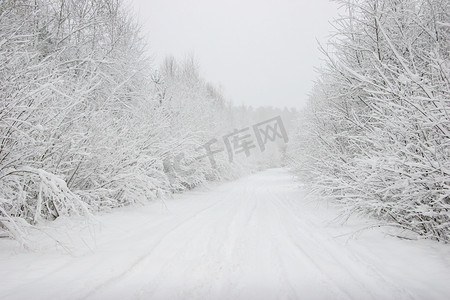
(376, 133)
(86, 123)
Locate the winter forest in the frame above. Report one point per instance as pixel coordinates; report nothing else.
(90, 124)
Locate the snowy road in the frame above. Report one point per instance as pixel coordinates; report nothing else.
(250, 239)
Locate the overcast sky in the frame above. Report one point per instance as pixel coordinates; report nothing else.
(260, 52)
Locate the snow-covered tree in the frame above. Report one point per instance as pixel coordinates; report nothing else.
(87, 122)
(376, 133)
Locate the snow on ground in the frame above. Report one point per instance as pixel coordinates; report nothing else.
(259, 237)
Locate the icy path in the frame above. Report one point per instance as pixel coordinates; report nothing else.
(254, 238)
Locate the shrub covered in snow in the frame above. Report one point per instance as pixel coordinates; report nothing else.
(86, 122)
(376, 132)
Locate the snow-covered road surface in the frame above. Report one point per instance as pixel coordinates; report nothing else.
(254, 238)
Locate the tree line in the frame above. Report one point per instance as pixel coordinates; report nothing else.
(375, 134)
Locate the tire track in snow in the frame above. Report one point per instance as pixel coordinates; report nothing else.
(351, 261)
(149, 252)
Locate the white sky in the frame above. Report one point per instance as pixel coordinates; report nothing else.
(260, 52)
